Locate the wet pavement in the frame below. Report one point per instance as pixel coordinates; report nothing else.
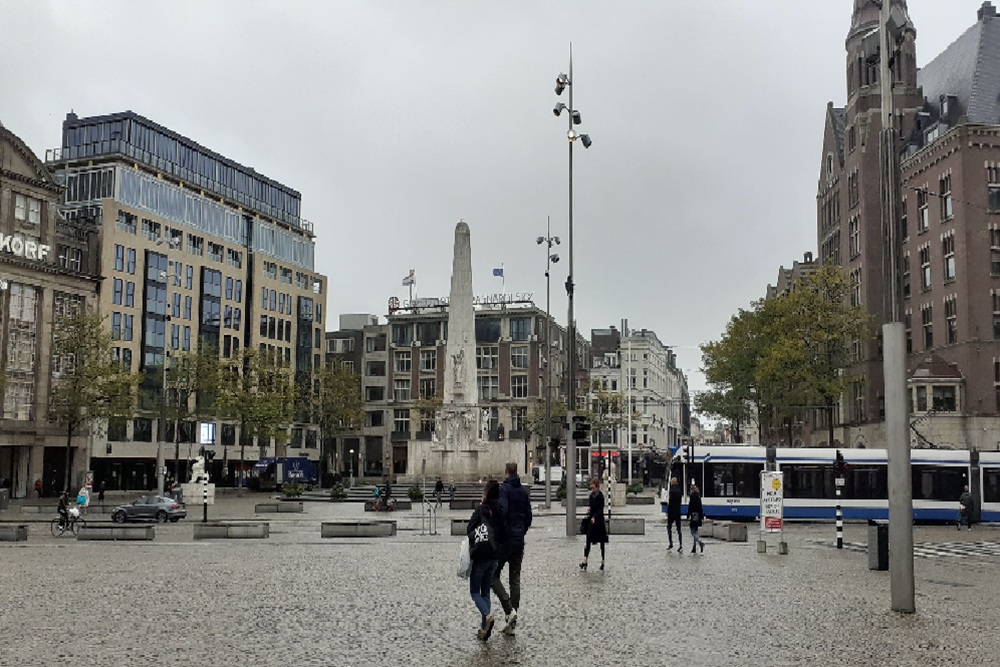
(299, 599)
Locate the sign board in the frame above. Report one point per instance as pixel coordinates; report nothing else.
(772, 501)
(840, 481)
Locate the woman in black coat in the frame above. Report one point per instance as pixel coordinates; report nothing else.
(695, 517)
(597, 531)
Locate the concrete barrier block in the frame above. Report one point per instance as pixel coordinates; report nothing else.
(357, 529)
(729, 531)
(116, 533)
(35, 509)
(463, 504)
(265, 508)
(220, 530)
(294, 506)
(627, 526)
(12, 533)
(640, 500)
(459, 527)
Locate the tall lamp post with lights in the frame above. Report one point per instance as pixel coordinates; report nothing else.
(563, 82)
(550, 259)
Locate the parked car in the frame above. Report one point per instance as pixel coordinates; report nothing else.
(150, 508)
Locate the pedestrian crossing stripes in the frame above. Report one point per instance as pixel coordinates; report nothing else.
(936, 550)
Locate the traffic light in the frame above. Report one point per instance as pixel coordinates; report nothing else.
(688, 453)
(581, 428)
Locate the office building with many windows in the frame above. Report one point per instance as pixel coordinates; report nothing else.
(196, 250)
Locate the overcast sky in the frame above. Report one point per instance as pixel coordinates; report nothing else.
(395, 119)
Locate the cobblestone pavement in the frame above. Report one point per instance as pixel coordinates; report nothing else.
(297, 599)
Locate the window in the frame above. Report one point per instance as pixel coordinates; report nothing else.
(403, 362)
(951, 320)
(374, 418)
(402, 334)
(375, 344)
(923, 218)
(519, 386)
(130, 260)
(150, 230)
(995, 252)
(487, 357)
(186, 339)
(428, 387)
(944, 187)
(234, 258)
(238, 291)
(18, 397)
(855, 236)
(853, 190)
(948, 250)
(428, 333)
(374, 393)
(116, 294)
(489, 387)
(906, 274)
(856, 287)
(904, 224)
(519, 356)
(27, 209)
(119, 257)
(175, 336)
(70, 258)
(187, 307)
(926, 317)
(519, 418)
(428, 361)
(520, 328)
(925, 268)
(229, 288)
(996, 316)
(189, 278)
(943, 398)
(400, 421)
(195, 245)
(215, 252)
(286, 275)
(116, 326)
(227, 316)
(126, 222)
(401, 390)
(176, 310)
(487, 329)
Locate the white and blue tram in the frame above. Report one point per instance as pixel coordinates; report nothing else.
(729, 479)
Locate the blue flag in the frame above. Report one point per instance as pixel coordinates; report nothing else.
(498, 273)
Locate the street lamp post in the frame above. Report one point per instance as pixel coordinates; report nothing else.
(563, 82)
(550, 258)
(352, 468)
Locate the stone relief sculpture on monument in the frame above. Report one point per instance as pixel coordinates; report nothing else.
(484, 425)
(458, 366)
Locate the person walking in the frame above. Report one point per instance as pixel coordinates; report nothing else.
(516, 507)
(486, 530)
(674, 500)
(695, 517)
(965, 508)
(438, 491)
(597, 531)
(100, 492)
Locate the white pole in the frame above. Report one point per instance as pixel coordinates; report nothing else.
(628, 342)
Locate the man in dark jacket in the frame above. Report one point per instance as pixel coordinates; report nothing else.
(516, 506)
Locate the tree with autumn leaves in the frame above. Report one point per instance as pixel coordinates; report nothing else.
(786, 356)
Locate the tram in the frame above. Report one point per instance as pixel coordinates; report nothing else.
(729, 479)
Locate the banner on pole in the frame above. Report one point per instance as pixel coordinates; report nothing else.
(772, 501)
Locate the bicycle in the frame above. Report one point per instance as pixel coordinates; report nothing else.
(380, 504)
(73, 523)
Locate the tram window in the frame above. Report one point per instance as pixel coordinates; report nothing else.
(732, 480)
(807, 481)
(991, 485)
(867, 483)
(937, 482)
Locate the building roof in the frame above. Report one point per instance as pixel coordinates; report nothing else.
(41, 176)
(969, 69)
(936, 368)
(838, 120)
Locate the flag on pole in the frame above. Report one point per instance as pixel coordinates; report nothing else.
(411, 279)
(498, 273)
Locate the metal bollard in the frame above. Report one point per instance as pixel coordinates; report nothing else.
(428, 518)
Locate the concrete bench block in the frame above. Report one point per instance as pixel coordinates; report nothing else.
(640, 500)
(400, 505)
(116, 533)
(36, 509)
(279, 507)
(358, 529)
(11, 533)
(626, 526)
(463, 504)
(459, 527)
(729, 532)
(221, 530)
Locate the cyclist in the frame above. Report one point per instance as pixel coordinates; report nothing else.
(63, 510)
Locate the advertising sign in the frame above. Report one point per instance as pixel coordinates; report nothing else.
(772, 501)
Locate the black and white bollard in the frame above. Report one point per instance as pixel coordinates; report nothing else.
(204, 500)
(840, 515)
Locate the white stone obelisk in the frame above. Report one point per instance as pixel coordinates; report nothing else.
(459, 424)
